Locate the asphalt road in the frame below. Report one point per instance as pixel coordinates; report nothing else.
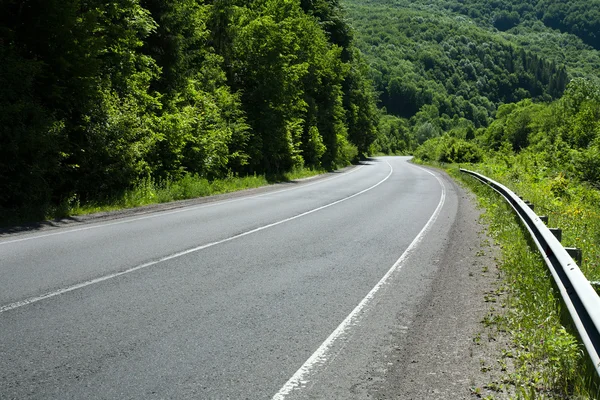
(286, 294)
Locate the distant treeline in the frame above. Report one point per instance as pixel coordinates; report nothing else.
(96, 96)
(578, 17)
(436, 72)
(559, 138)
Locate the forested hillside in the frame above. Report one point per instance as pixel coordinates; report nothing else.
(483, 77)
(578, 17)
(512, 90)
(97, 96)
(566, 32)
(447, 65)
(561, 138)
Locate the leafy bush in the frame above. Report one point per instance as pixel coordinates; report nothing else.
(587, 165)
(449, 149)
(99, 98)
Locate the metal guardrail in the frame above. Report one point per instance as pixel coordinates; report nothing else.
(577, 292)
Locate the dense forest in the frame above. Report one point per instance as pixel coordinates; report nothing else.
(562, 137)
(97, 96)
(564, 32)
(581, 18)
(446, 65)
(462, 80)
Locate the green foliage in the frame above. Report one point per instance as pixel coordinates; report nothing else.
(148, 191)
(562, 137)
(549, 154)
(314, 148)
(587, 165)
(394, 136)
(468, 59)
(448, 149)
(89, 81)
(514, 124)
(331, 17)
(577, 17)
(359, 100)
(426, 60)
(564, 134)
(100, 96)
(547, 357)
(266, 48)
(504, 20)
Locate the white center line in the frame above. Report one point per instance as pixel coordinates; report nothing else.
(48, 295)
(306, 374)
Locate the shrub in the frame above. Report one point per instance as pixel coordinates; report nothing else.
(449, 150)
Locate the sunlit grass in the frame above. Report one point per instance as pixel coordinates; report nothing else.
(149, 192)
(548, 359)
(302, 173)
(570, 205)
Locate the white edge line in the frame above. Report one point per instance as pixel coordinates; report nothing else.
(48, 295)
(322, 355)
(158, 214)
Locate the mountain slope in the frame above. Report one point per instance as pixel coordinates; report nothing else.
(443, 66)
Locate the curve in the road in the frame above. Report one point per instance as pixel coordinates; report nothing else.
(77, 286)
(323, 354)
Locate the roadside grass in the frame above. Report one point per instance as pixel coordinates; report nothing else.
(569, 204)
(150, 192)
(301, 173)
(547, 357)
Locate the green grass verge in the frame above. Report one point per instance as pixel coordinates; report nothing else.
(189, 187)
(549, 360)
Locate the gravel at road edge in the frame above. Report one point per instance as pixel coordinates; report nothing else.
(448, 352)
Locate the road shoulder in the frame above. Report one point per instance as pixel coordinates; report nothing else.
(448, 352)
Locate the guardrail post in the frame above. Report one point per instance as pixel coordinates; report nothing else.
(529, 204)
(575, 253)
(544, 219)
(557, 232)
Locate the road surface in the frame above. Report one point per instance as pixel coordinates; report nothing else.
(291, 293)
